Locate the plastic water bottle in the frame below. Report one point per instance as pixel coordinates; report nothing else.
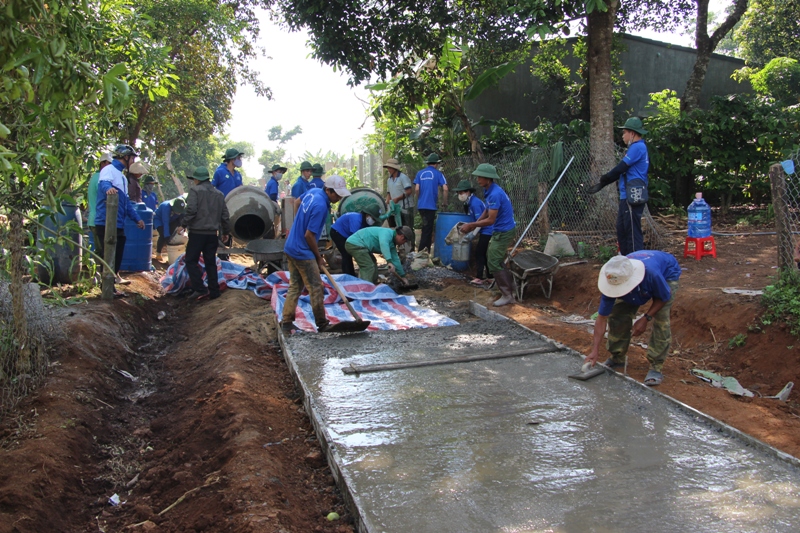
(699, 217)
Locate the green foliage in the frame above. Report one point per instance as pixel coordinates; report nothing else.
(604, 253)
(769, 29)
(738, 341)
(506, 136)
(725, 150)
(277, 156)
(780, 79)
(781, 302)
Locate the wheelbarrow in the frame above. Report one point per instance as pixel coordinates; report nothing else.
(533, 266)
(267, 253)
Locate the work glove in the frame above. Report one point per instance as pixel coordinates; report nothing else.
(605, 179)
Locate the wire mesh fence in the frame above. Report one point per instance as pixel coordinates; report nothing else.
(785, 185)
(528, 176)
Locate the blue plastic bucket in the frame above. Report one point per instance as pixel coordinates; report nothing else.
(444, 223)
(66, 258)
(138, 242)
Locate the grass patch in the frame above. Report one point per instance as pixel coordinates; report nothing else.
(782, 302)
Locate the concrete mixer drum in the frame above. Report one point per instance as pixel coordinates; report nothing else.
(252, 214)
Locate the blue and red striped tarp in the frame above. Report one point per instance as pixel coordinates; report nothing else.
(379, 304)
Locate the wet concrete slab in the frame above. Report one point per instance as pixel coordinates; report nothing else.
(513, 445)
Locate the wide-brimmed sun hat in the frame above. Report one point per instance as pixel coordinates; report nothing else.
(138, 168)
(485, 170)
(199, 174)
(406, 232)
(231, 153)
(178, 205)
(634, 124)
(464, 185)
(277, 167)
(317, 171)
(148, 179)
(305, 165)
(619, 276)
(337, 183)
(433, 158)
(393, 163)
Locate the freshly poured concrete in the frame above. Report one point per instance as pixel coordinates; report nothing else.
(512, 445)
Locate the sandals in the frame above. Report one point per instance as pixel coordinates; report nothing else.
(613, 365)
(653, 378)
(478, 282)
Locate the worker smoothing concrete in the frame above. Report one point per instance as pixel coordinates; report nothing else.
(302, 252)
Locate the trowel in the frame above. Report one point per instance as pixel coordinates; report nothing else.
(345, 327)
(588, 371)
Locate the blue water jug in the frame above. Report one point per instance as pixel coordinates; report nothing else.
(699, 217)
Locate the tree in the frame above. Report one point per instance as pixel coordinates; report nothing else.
(769, 29)
(277, 156)
(705, 45)
(780, 79)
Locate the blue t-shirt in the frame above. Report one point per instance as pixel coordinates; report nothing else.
(497, 199)
(348, 223)
(311, 214)
(163, 217)
(272, 188)
(659, 268)
(150, 199)
(111, 176)
(316, 183)
(638, 163)
(475, 208)
(429, 180)
(224, 181)
(300, 186)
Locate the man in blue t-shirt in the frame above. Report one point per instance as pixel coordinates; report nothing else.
(302, 252)
(634, 165)
(627, 283)
(301, 185)
(316, 177)
(226, 177)
(346, 225)
(499, 214)
(474, 207)
(428, 181)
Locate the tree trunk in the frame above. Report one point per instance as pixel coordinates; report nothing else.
(175, 179)
(16, 237)
(706, 45)
(600, 30)
(474, 143)
(133, 134)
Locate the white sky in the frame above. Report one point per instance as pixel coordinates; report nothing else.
(313, 96)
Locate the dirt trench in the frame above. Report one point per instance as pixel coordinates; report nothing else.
(192, 420)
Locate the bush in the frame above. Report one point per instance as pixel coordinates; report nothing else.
(782, 302)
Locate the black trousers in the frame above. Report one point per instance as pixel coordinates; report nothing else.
(480, 257)
(347, 259)
(200, 243)
(426, 239)
(629, 228)
(173, 227)
(100, 246)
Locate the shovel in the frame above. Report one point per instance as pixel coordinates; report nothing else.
(405, 288)
(345, 327)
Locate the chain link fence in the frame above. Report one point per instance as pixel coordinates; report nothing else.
(527, 178)
(785, 185)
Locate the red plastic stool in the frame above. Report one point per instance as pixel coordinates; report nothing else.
(699, 247)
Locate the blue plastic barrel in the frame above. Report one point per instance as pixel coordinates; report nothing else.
(699, 217)
(444, 223)
(138, 242)
(66, 258)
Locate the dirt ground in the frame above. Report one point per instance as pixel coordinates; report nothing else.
(194, 421)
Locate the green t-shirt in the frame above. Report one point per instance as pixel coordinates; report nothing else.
(91, 198)
(378, 240)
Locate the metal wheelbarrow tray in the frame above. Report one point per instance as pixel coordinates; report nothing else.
(532, 265)
(267, 252)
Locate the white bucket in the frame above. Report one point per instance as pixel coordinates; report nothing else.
(174, 251)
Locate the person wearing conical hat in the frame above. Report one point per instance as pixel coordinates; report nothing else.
(135, 172)
(427, 181)
(474, 207)
(317, 172)
(400, 190)
(227, 177)
(633, 166)
(500, 215)
(626, 283)
(301, 185)
(149, 196)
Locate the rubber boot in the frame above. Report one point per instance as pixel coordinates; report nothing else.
(505, 282)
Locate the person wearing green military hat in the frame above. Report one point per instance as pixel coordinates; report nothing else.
(301, 185)
(316, 177)
(273, 185)
(206, 214)
(499, 214)
(149, 196)
(474, 207)
(632, 187)
(427, 181)
(226, 177)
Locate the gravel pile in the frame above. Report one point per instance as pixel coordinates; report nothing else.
(431, 277)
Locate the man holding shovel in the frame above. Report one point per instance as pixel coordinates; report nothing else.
(627, 283)
(499, 215)
(302, 253)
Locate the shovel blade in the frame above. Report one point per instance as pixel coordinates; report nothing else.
(349, 326)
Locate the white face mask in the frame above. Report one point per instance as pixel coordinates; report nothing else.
(278, 175)
(463, 196)
(370, 221)
(237, 162)
(149, 187)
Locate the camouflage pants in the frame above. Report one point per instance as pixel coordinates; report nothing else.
(620, 323)
(304, 273)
